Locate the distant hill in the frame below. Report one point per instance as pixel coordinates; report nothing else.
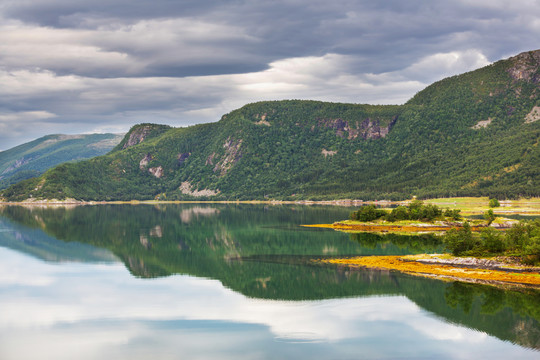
(34, 158)
(474, 134)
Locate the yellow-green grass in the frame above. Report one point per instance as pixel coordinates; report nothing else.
(479, 205)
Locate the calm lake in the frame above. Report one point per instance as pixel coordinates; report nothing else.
(200, 281)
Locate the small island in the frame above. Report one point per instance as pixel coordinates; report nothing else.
(489, 250)
(416, 217)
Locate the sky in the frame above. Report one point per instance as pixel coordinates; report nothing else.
(78, 66)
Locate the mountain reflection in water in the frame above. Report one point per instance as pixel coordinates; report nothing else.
(261, 252)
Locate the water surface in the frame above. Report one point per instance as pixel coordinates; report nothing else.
(235, 281)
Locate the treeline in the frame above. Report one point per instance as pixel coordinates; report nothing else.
(521, 240)
(416, 210)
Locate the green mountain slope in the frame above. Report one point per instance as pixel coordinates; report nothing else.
(35, 157)
(472, 134)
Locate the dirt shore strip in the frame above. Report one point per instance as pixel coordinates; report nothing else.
(412, 266)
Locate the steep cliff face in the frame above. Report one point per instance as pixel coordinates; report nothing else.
(232, 155)
(139, 133)
(526, 66)
(364, 128)
(137, 136)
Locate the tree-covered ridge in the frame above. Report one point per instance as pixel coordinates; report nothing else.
(467, 135)
(238, 157)
(35, 157)
(482, 144)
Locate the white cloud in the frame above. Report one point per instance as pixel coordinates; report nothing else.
(122, 50)
(32, 47)
(25, 115)
(14, 124)
(330, 77)
(445, 64)
(25, 84)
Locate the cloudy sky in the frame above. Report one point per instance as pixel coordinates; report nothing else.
(78, 66)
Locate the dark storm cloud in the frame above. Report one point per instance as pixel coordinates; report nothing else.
(78, 65)
(72, 13)
(385, 36)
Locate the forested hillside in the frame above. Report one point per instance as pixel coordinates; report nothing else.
(473, 134)
(35, 157)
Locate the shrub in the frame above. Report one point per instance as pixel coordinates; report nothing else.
(399, 213)
(492, 240)
(489, 216)
(494, 203)
(367, 213)
(454, 214)
(518, 236)
(459, 241)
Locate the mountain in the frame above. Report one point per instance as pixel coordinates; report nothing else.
(473, 134)
(34, 158)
